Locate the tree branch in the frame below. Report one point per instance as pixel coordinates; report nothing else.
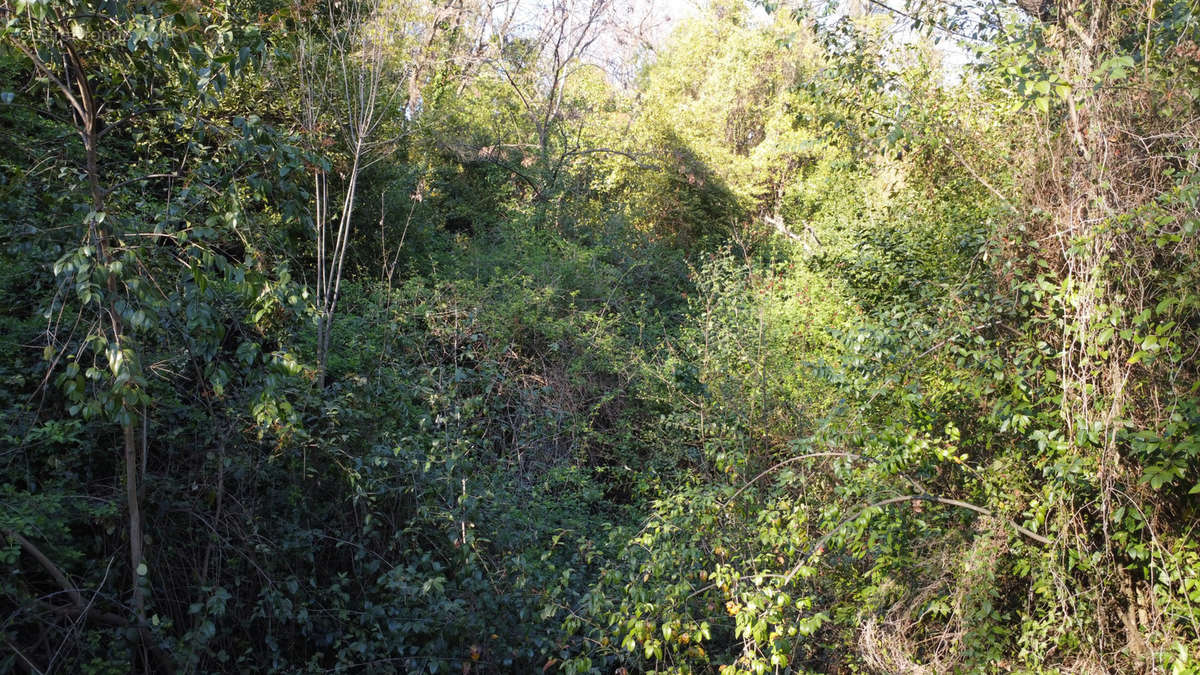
(820, 543)
(45, 70)
(24, 660)
(110, 189)
(49, 566)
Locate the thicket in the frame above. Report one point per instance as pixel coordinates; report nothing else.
(402, 336)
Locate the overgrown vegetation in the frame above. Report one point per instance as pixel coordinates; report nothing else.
(422, 336)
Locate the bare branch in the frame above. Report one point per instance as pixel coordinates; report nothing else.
(49, 566)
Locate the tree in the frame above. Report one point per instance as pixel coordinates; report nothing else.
(547, 112)
(130, 83)
(350, 89)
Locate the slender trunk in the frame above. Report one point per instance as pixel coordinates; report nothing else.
(136, 541)
(320, 224)
(208, 550)
(343, 236)
(128, 432)
(333, 270)
(321, 351)
(762, 375)
(90, 121)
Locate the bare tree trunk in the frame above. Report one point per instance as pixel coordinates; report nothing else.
(352, 84)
